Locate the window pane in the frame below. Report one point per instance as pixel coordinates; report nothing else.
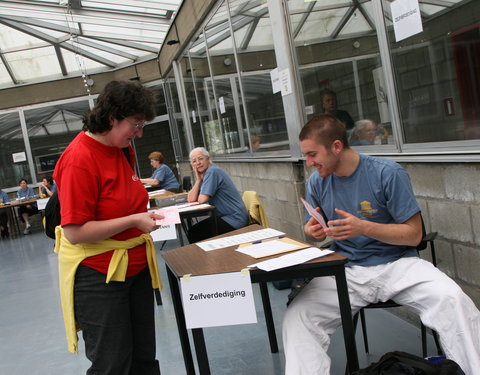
(50, 130)
(12, 143)
(437, 73)
(340, 67)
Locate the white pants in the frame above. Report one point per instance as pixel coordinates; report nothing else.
(412, 282)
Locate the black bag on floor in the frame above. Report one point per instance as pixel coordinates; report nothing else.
(401, 363)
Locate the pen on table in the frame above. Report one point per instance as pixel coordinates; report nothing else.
(268, 239)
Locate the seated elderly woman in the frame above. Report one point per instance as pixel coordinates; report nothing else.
(363, 133)
(214, 186)
(162, 177)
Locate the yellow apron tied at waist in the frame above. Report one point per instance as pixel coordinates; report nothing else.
(69, 258)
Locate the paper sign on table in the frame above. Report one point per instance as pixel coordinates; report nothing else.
(42, 203)
(271, 247)
(313, 213)
(165, 232)
(218, 300)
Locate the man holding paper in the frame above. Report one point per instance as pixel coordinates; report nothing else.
(375, 221)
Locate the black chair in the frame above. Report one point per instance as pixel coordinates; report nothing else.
(427, 242)
(186, 183)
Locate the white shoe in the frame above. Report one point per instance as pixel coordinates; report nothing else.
(26, 231)
(28, 226)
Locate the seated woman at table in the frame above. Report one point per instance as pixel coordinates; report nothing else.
(214, 186)
(47, 187)
(162, 177)
(3, 215)
(29, 209)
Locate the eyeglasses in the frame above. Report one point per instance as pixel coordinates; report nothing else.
(138, 125)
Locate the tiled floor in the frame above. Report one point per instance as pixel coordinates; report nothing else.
(32, 339)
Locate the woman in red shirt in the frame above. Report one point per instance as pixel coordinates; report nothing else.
(102, 198)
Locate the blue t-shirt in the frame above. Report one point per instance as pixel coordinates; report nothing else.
(224, 196)
(52, 188)
(25, 193)
(4, 196)
(378, 190)
(166, 177)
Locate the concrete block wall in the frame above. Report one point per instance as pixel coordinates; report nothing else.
(449, 195)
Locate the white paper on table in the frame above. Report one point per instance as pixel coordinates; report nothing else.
(265, 249)
(165, 232)
(238, 239)
(193, 207)
(313, 213)
(297, 257)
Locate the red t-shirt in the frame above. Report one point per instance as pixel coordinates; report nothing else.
(96, 182)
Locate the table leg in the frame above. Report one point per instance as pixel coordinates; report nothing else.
(347, 322)
(158, 297)
(181, 325)
(267, 309)
(13, 222)
(201, 351)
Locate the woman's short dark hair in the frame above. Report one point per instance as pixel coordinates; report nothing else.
(49, 179)
(324, 129)
(119, 100)
(21, 180)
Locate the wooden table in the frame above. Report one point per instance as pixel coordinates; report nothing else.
(13, 219)
(191, 259)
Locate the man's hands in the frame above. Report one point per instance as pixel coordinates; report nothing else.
(341, 229)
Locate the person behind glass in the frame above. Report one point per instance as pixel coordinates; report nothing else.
(329, 106)
(3, 215)
(162, 177)
(47, 187)
(25, 211)
(212, 185)
(375, 221)
(363, 133)
(104, 292)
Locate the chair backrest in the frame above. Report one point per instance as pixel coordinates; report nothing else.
(255, 210)
(186, 183)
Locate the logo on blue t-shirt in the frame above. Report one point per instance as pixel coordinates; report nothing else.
(366, 209)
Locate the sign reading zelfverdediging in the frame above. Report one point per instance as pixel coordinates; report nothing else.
(218, 300)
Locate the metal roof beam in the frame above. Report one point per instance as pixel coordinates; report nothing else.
(8, 68)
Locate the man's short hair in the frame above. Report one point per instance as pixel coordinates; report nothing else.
(324, 129)
(156, 155)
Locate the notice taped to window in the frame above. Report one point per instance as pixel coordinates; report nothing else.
(218, 300)
(406, 18)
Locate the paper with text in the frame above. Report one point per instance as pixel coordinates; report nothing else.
(297, 257)
(170, 216)
(238, 239)
(218, 300)
(165, 232)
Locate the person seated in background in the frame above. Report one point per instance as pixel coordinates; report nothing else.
(212, 185)
(29, 209)
(3, 215)
(329, 106)
(255, 143)
(162, 177)
(47, 187)
(363, 133)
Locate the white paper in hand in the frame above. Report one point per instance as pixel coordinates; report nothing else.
(313, 213)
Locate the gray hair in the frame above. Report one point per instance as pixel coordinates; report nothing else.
(359, 126)
(203, 150)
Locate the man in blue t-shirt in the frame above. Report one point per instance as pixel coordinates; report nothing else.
(375, 221)
(214, 186)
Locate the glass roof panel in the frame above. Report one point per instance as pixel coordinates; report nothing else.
(104, 34)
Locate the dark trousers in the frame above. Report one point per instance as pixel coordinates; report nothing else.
(3, 218)
(117, 322)
(205, 229)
